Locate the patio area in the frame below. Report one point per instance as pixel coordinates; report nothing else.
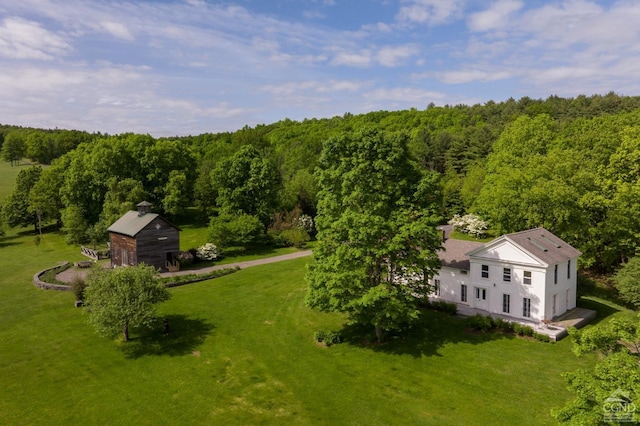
(556, 329)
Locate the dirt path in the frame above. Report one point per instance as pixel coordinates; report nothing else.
(241, 265)
(68, 275)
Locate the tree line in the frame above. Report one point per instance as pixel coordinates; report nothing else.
(569, 164)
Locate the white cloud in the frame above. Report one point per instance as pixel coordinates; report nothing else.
(117, 29)
(431, 12)
(496, 17)
(391, 56)
(472, 75)
(23, 39)
(313, 14)
(192, 65)
(314, 86)
(360, 59)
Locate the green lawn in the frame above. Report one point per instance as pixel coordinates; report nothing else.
(8, 175)
(241, 351)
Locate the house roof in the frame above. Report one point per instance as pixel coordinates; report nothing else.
(454, 253)
(544, 245)
(538, 242)
(131, 223)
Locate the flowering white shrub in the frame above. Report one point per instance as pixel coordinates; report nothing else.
(305, 222)
(469, 224)
(208, 251)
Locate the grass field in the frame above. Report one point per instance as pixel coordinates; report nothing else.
(241, 351)
(8, 175)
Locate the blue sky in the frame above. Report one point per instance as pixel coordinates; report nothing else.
(192, 66)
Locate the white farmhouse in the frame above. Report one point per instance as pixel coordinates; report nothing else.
(529, 275)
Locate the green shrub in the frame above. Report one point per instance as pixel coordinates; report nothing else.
(296, 237)
(527, 331)
(276, 238)
(541, 337)
(480, 323)
(78, 286)
(503, 325)
(517, 328)
(441, 305)
(178, 279)
(328, 337)
(236, 231)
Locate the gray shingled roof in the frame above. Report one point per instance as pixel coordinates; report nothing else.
(539, 242)
(454, 253)
(132, 223)
(544, 245)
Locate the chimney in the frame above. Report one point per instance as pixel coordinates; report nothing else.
(144, 208)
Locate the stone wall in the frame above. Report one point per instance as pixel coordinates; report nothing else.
(48, 286)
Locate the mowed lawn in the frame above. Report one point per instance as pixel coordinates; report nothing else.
(241, 351)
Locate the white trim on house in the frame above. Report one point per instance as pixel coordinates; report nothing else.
(529, 256)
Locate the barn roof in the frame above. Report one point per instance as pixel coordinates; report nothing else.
(132, 223)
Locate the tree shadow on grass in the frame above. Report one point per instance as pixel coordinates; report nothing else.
(9, 240)
(185, 336)
(425, 338)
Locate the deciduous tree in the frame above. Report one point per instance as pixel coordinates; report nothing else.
(615, 375)
(627, 281)
(15, 210)
(118, 300)
(377, 239)
(246, 184)
(14, 146)
(239, 231)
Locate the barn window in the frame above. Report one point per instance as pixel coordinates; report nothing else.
(162, 238)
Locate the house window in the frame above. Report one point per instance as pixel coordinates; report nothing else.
(506, 275)
(481, 293)
(485, 271)
(527, 278)
(569, 269)
(555, 274)
(436, 287)
(526, 307)
(506, 303)
(463, 292)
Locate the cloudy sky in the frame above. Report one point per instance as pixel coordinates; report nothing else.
(180, 67)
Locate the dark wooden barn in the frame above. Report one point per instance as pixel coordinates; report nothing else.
(144, 237)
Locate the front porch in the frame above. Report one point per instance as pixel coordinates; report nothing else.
(555, 329)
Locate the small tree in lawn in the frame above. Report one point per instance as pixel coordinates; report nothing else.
(377, 239)
(123, 298)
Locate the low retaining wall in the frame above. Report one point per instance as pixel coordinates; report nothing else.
(62, 287)
(48, 286)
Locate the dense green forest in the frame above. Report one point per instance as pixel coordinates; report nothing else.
(571, 165)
